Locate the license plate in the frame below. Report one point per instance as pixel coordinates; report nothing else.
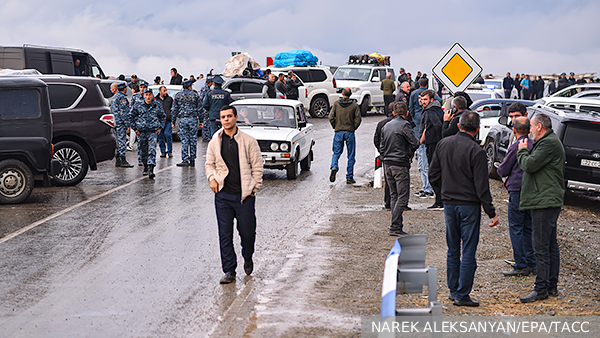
(588, 163)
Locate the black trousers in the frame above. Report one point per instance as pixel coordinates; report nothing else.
(387, 99)
(546, 248)
(430, 149)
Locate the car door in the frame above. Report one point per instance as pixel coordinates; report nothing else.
(252, 89)
(235, 89)
(489, 117)
(375, 87)
(303, 139)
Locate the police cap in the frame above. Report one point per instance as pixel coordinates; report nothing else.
(143, 83)
(209, 79)
(187, 83)
(121, 85)
(148, 90)
(217, 79)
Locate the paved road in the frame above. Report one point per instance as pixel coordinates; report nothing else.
(123, 256)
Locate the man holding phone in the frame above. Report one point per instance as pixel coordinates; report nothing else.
(451, 117)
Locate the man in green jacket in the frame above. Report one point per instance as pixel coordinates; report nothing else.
(345, 119)
(388, 86)
(542, 192)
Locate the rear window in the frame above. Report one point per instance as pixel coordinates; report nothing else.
(252, 87)
(587, 109)
(21, 103)
(63, 95)
(235, 87)
(582, 136)
(303, 74)
(317, 75)
(105, 89)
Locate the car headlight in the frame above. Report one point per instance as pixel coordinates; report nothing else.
(284, 147)
(274, 146)
(357, 89)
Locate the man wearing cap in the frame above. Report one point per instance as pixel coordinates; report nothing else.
(214, 100)
(133, 81)
(147, 118)
(203, 113)
(119, 107)
(186, 107)
(138, 97)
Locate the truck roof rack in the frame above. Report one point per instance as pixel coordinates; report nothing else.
(59, 48)
(373, 59)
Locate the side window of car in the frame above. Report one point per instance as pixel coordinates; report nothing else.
(300, 114)
(303, 74)
(489, 110)
(382, 74)
(21, 103)
(63, 96)
(252, 87)
(390, 70)
(318, 75)
(235, 87)
(587, 109)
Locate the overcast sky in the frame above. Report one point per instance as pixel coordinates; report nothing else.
(149, 37)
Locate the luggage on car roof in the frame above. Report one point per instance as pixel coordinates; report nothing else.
(295, 57)
(241, 64)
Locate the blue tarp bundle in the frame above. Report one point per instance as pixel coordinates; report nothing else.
(295, 57)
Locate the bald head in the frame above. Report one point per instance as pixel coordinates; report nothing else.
(388, 75)
(113, 88)
(521, 126)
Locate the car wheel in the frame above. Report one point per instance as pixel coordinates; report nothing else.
(364, 106)
(490, 153)
(319, 107)
(292, 168)
(306, 162)
(73, 163)
(16, 181)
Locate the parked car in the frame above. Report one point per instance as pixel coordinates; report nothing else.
(319, 87)
(570, 103)
(365, 82)
(82, 123)
(577, 88)
(490, 110)
(245, 87)
(497, 85)
(285, 143)
(49, 60)
(579, 133)
(25, 137)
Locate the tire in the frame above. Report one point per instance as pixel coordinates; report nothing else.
(306, 162)
(319, 107)
(490, 154)
(292, 168)
(74, 163)
(364, 106)
(16, 181)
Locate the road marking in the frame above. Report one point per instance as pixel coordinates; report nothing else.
(73, 207)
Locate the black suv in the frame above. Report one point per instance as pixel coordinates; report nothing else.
(580, 135)
(25, 137)
(83, 124)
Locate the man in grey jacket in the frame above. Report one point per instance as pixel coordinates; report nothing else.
(345, 119)
(398, 144)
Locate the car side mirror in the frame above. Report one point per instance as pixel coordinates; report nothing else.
(375, 79)
(503, 120)
(301, 124)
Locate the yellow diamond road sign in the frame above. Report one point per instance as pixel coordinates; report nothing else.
(457, 69)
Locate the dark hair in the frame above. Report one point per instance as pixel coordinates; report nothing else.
(228, 107)
(161, 87)
(427, 92)
(346, 92)
(402, 69)
(400, 108)
(267, 71)
(460, 103)
(544, 120)
(121, 77)
(423, 82)
(469, 121)
(466, 96)
(135, 87)
(174, 69)
(521, 128)
(391, 107)
(518, 107)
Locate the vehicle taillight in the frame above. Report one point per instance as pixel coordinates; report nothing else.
(108, 119)
(594, 122)
(334, 83)
(306, 93)
(52, 150)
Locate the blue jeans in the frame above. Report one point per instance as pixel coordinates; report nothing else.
(520, 227)
(546, 248)
(338, 147)
(165, 139)
(228, 208)
(423, 166)
(462, 225)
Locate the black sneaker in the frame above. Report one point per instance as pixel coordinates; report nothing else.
(397, 233)
(418, 193)
(248, 267)
(533, 296)
(228, 278)
(192, 163)
(140, 164)
(332, 175)
(183, 164)
(350, 180)
(163, 155)
(516, 272)
(553, 292)
(421, 194)
(436, 207)
(466, 302)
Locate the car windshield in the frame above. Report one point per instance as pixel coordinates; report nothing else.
(352, 73)
(479, 96)
(266, 115)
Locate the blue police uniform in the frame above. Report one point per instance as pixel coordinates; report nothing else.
(120, 109)
(186, 107)
(213, 102)
(137, 98)
(147, 119)
(204, 114)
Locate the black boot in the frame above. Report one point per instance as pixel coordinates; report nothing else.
(145, 170)
(151, 171)
(125, 164)
(118, 162)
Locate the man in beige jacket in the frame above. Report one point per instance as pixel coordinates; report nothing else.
(234, 168)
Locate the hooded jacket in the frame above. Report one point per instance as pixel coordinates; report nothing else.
(345, 115)
(431, 122)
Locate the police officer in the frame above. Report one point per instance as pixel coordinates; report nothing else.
(186, 107)
(138, 97)
(147, 118)
(203, 113)
(119, 107)
(214, 101)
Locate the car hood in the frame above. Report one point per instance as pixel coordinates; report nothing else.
(349, 83)
(269, 133)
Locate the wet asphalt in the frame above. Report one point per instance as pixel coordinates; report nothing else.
(120, 255)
